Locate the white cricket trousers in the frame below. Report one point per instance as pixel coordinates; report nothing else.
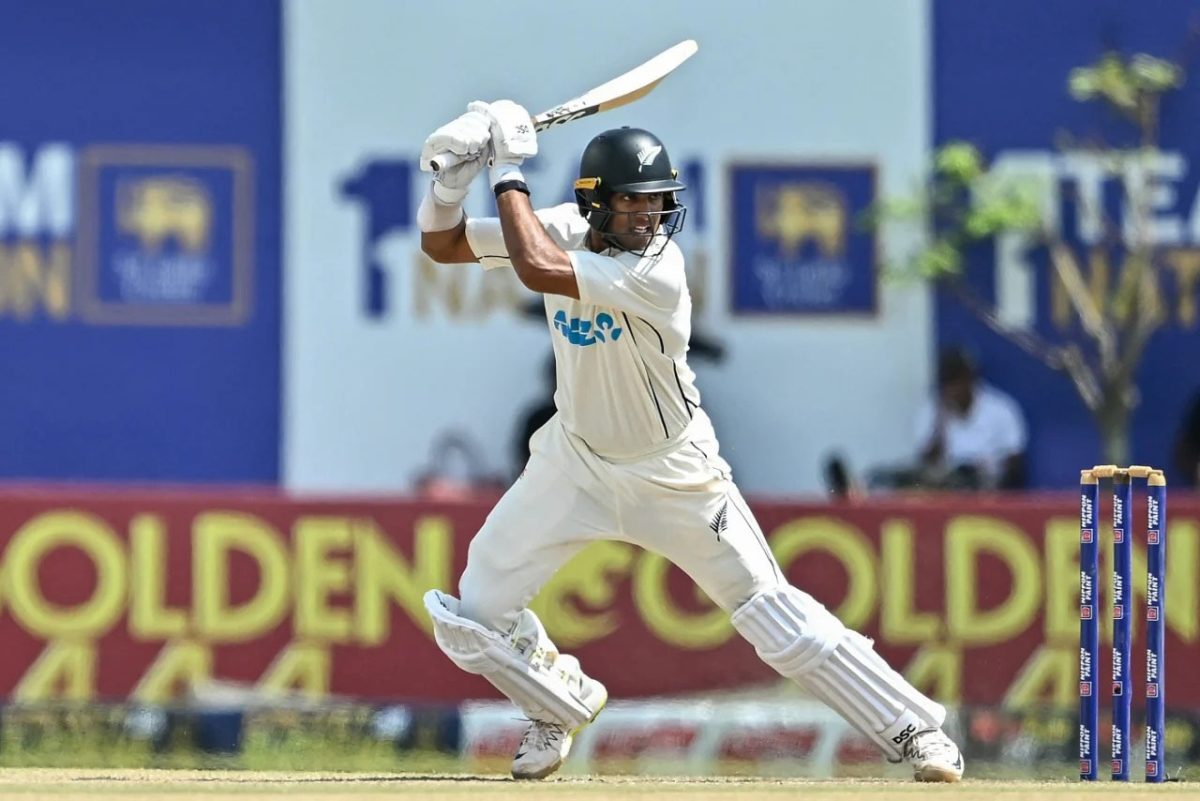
(681, 504)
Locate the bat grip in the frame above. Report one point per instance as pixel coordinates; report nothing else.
(444, 161)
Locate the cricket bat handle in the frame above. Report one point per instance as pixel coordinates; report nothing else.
(444, 162)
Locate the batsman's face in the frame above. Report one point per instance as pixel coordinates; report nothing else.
(635, 218)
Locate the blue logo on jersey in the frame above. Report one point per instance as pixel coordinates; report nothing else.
(586, 332)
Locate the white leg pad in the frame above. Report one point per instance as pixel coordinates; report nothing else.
(522, 665)
(797, 636)
(791, 631)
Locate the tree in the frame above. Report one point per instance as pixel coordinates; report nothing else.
(970, 206)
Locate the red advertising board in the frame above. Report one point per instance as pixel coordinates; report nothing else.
(116, 594)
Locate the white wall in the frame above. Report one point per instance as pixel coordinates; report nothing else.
(819, 80)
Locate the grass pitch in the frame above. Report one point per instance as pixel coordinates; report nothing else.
(178, 785)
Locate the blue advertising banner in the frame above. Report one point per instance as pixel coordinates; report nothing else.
(1000, 81)
(797, 245)
(139, 241)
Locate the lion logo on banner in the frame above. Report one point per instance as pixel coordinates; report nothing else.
(164, 208)
(796, 213)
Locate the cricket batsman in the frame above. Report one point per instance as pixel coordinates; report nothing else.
(630, 454)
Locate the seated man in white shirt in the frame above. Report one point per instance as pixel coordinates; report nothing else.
(970, 435)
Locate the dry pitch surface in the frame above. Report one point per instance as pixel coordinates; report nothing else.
(98, 785)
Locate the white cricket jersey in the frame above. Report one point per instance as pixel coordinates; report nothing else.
(624, 385)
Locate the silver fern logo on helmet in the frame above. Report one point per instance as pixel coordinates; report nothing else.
(647, 155)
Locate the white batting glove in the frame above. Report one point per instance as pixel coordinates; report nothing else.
(513, 138)
(468, 137)
(450, 184)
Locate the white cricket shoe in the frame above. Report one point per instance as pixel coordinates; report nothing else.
(934, 757)
(542, 750)
(545, 745)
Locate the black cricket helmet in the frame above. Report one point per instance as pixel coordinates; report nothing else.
(633, 161)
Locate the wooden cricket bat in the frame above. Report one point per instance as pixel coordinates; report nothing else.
(623, 89)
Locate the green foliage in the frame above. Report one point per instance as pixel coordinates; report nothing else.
(965, 203)
(1126, 85)
(940, 259)
(1003, 205)
(958, 162)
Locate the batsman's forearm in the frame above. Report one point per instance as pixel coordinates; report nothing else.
(537, 259)
(527, 241)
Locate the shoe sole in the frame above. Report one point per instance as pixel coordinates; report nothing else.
(932, 773)
(541, 774)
